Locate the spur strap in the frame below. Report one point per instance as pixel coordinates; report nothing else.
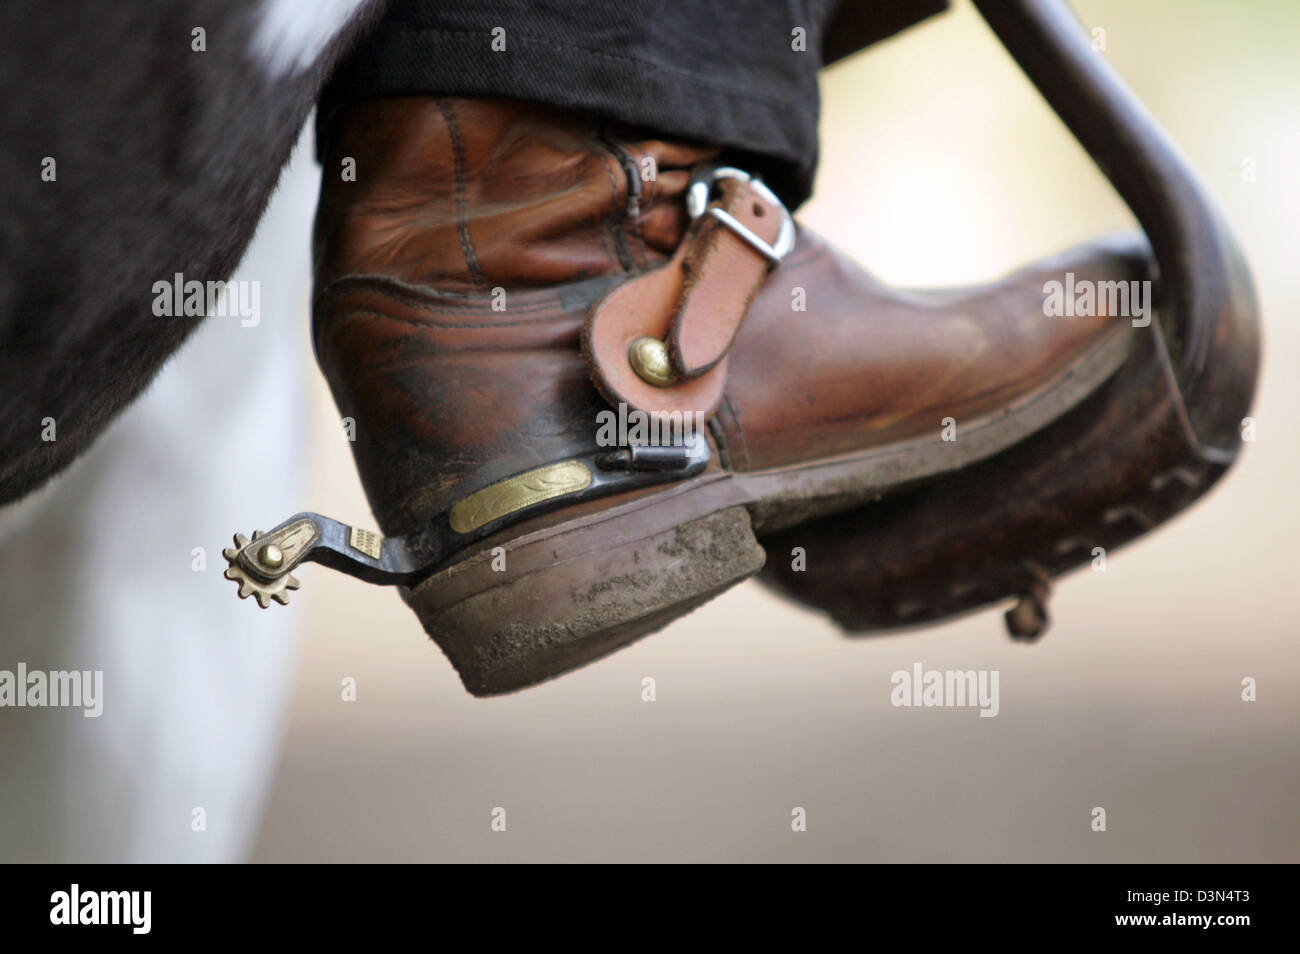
(659, 342)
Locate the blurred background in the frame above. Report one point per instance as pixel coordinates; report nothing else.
(940, 165)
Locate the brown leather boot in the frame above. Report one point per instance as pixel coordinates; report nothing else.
(500, 276)
(501, 279)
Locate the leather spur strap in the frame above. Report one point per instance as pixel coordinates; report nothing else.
(659, 342)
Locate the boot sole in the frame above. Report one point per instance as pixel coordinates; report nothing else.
(572, 594)
(529, 607)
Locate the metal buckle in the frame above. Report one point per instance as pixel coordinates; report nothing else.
(700, 193)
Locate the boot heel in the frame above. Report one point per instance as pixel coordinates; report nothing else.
(564, 596)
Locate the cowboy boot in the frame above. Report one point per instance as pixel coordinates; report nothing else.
(502, 280)
(1149, 443)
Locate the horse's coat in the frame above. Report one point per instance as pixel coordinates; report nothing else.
(132, 147)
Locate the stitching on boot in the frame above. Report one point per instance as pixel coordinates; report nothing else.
(725, 428)
(621, 256)
(462, 202)
(615, 223)
(633, 166)
(606, 243)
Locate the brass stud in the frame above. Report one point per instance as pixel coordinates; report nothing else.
(271, 557)
(649, 359)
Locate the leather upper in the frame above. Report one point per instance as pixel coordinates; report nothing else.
(867, 365)
(468, 195)
(456, 274)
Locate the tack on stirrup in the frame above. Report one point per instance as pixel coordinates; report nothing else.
(263, 565)
(1207, 297)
